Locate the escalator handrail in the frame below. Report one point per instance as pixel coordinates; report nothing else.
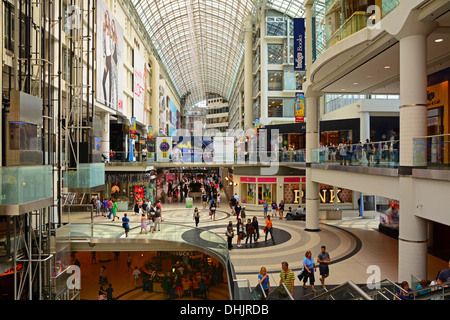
(437, 287)
(349, 283)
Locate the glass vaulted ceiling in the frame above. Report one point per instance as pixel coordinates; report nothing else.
(200, 42)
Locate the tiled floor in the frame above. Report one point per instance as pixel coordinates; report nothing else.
(353, 243)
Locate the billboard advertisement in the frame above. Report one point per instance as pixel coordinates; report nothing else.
(163, 149)
(109, 58)
(139, 87)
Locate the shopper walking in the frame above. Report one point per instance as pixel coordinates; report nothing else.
(237, 210)
(281, 209)
(126, 224)
(212, 210)
(287, 277)
(114, 210)
(324, 260)
(249, 231)
(266, 209)
(143, 223)
(196, 216)
(240, 232)
(263, 279)
(269, 229)
(136, 274)
(309, 268)
(255, 228)
(230, 235)
(274, 208)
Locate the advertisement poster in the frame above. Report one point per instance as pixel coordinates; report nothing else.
(299, 44)
(133, 126)
(299, 105)
(109, 58)
(150, 132)
(139, 87)
(163, 149)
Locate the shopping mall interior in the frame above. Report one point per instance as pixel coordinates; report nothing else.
(253, 150)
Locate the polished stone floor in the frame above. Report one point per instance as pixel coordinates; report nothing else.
(354, 245)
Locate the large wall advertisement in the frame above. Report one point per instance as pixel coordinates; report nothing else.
(109, 58)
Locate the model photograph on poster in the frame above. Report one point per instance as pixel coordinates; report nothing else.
(109, 58)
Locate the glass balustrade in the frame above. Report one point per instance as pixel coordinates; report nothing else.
(87, 175)
(169, 232)
(282, 156)
(432, 152)
(383, 154)
(25, 184)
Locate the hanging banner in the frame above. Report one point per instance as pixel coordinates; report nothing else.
(299, 44)
(223, 149)
(299, 104)
(163, 149)
(133, 126)
(150, 132)
(139, 87)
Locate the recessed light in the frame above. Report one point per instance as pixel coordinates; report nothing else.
(369, 76)
(387, 67)
(439, 40)
(355, 83)
(342, 89)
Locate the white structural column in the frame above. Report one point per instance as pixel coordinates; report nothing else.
(364, 127)
(154, 118)
(413, 242)
(312, 130)
(104, 142)
(248, 75)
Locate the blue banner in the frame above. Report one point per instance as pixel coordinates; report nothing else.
(299, 44)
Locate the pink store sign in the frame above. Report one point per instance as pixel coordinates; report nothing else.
(292, 180)
(267, 180)
(248, 179)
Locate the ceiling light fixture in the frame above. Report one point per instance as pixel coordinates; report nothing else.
(387, 67)
(439, 40)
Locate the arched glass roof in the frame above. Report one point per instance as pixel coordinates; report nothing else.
(200, 42)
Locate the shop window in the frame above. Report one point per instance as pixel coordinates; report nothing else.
(275, 107)
(274, 53)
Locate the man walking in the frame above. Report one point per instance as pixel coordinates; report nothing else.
(324, 260)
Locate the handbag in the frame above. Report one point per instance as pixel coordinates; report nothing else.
(301, 275)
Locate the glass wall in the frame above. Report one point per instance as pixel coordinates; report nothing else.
(335, 20)
(275, 80)
(275, 107)
(274, 53)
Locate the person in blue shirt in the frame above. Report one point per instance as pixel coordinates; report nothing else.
(309, 267)
(263, 278)
(422, 285)
(274, 208)
(281, 209)
(125, 224)
(404, 294)
(266, 209)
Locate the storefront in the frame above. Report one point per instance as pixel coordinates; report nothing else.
(126, 187)
(255, 190)
(438, 119)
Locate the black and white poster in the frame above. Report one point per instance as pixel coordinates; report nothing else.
(109, 58)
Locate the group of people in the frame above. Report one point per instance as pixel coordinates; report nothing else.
(346, 152)
(248, 231)
(287, 276)
(425, 286)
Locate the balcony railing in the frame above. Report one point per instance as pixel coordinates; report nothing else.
(432, 152)
(211, 157)
(25, 184)
(374, 154)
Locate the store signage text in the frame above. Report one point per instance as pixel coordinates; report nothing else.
(325, 195)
